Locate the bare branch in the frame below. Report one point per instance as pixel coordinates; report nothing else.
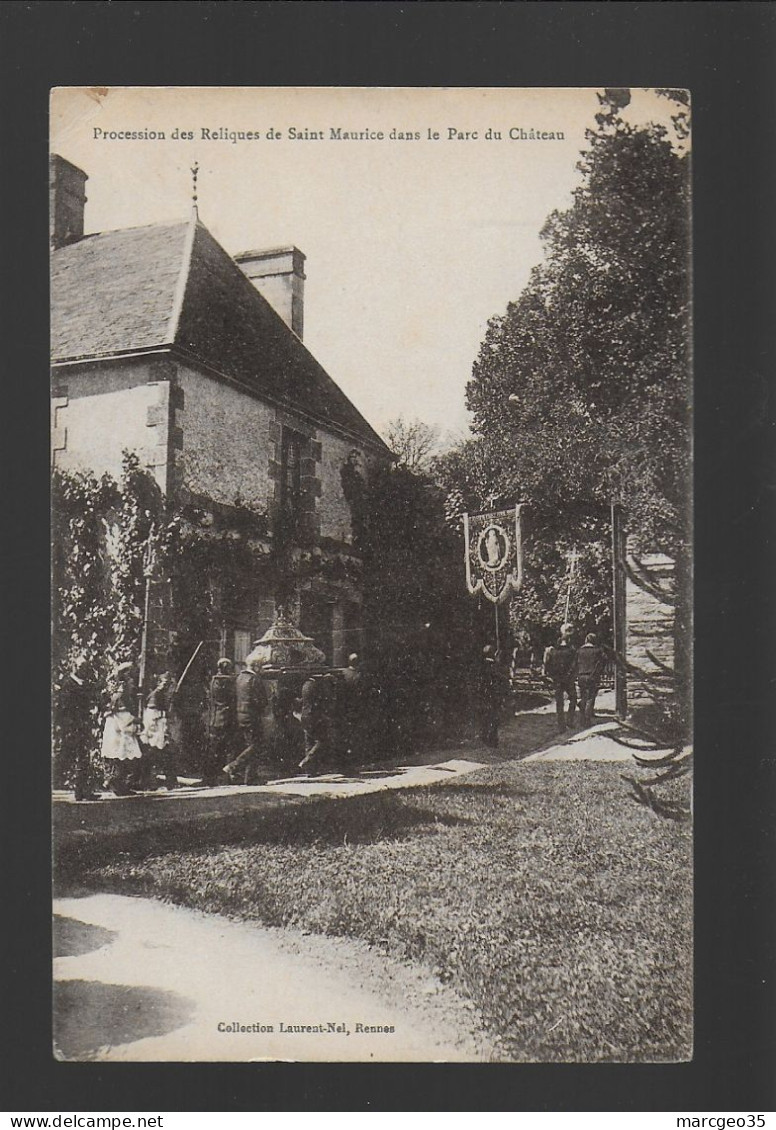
(413, 442)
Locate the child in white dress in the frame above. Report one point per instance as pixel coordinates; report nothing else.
(120, 748)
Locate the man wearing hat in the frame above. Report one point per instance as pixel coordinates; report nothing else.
(76, 702)
(590, 662)
(492, 687)
(251, 702)
(222, 720)
(353, 719)
(559, 667)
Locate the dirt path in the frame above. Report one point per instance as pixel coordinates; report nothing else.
(139, 980)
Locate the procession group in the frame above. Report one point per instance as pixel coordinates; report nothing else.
(258, 727)
(574, 674)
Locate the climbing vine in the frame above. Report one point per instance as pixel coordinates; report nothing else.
(140, 509)
(82, 506)
(82, 617)
(207, 559)
(204, 558)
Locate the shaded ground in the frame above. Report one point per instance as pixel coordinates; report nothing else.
(91, 1015)
(71, 938)
(136, 980)
(144, 823)
(519, 735)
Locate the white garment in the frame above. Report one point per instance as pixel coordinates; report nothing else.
(118, 737)
(154, 728)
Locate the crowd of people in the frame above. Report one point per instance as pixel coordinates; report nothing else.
(256, 727)
(259, 726)
(574, 674)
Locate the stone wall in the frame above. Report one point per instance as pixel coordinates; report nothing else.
(226, 441)
(204, 439)
(232, 448)
(197, 433)
(103, 409)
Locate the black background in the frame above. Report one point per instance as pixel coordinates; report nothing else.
(724, 53)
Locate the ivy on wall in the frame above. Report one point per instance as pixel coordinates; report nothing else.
(208, 559)
(101, 534)
(81, 600)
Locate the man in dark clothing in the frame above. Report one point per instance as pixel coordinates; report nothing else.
(76, 702)
(493, 686)
(222, 721)
(353, 674)
(317, 702)
(354, 707)
(285, 737)
(251, 702)
(560, 667)
(590, 661)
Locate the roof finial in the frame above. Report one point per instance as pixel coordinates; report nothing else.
(194, 174)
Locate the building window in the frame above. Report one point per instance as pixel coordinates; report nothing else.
(291, 471)
(242, 646)
(316, 620)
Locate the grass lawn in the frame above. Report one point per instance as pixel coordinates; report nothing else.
(542, 891)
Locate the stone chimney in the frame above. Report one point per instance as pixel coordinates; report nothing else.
(279, 275)
(66, 201)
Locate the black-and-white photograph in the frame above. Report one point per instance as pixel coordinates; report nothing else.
(371, 574)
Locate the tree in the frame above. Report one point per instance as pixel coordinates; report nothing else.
(580, 392)
(413, 443)
(581, 389)
(419, 623)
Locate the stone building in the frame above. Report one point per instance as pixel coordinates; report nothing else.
(165, 345)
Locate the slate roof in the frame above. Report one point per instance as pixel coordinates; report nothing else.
(173, 285)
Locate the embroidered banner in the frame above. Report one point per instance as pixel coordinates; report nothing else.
(494, 553)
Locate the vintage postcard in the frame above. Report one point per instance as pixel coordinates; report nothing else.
(371, 574)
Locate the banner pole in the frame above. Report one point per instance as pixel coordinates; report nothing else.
(188, 665)
(498, 644)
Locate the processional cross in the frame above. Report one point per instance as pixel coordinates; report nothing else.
(573, 558)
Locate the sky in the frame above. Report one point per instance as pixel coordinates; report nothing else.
(411, 244)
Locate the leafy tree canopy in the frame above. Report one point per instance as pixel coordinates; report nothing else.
(580, 391)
